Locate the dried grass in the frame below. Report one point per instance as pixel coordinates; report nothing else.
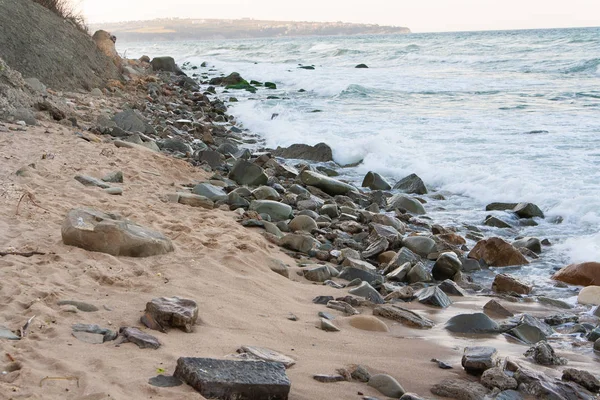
(65, 10)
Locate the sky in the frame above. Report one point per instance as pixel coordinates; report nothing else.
(418, 15)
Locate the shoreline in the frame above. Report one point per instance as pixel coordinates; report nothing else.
(250, 305)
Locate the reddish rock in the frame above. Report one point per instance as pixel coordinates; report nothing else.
(504, 283)
(584, 274)
(497, 253)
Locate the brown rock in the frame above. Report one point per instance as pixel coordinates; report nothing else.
(460, 389)
(494, 308)
(106, 43)
(171, 312)
(498, 253)
(504, 283)
(584, 274)
(386, 257)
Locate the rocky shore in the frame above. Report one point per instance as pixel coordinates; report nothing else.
(143, 213)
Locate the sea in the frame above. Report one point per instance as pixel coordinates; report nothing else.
(495, 116)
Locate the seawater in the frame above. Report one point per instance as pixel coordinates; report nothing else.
(480, 116)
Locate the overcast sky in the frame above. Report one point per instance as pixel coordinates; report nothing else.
(419, 15)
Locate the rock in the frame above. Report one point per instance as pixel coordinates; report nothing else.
(132, 121)
(421, 245)
(460, 389)
(418, 273)
(106, 334)
(175, 145)
(166, 64)
(277, 211)
(496, 252)
(400, 273)
(327, 326)
(328, 378)
(405, 255)
(342, 306)
(279, 267)
(530, 243)
(528, 210)
(433, 296)
(583, 378)
(589, 295)
(165, 381)
(383, 219)
(171, 312)
(411, 184)
(509, 395)
(361, 66)
(330, 186)
(469, 265)
(374, 181)
(472, 323)
(247, 173)
(358, 264)
(451, 288)
(554, 302)
(494, 308)
(386, 385)
(402, 201)
(496, 378)
(500, 206)
(264, 354)
(317, 274)
(541, 386)
(81, 306)
(360, 374)
(368, 292)
(319, 152)
(597, 345)
(367, 323)
(531, 330)
(402, 315)
(542, 353)
(266, 193)
(302, 223)
(375, 248)
(495, 222)
(330, 210)
(139, 338)
(476, 360)
(91, 338)
(350, 274)
(446, 266)
(584, 274)
(114, 177)
(233, 380)
(299, 242)
(91, 181)
(195, 200)
(322, 299)
(108, 233)
(504, 283)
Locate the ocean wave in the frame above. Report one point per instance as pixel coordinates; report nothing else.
(585, 66)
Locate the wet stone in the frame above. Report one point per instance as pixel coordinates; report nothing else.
(542, 353)
(433, 296)
(478, 359)
(494, 308)
(583, 378)
(472, 323)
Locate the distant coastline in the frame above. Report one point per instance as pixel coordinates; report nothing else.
(172, 29)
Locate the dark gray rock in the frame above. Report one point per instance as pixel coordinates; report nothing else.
(541, 386)
(368, 292)
(404, 255)
(317, 274)
(350, 274)
(374, 181)
(411, 184)
(170, 312)
(81, 306)
(174, 145)
(583, 378)
(419, 273)
(421, 245)
(322, 299)
(509, 395)
(133, 121)
(531, 330)
(328, 378)
(433, 296)
(542, 353)
(234, 380)
(528, 210)
(277, 211)
(451, 288)
(301, 243)
(496, 222)
(472, 323)
(319, 152)
(500, 206)
(405, 202)
(446, 266)
(496, 378)
(403, 315)
(211, 192)
(139, 338)
(476, 360)
(530, 243)
(166, 64)
(165, 381)
(328, 185)
(386, 385)
(247, 173)
(460, 389)
(213, 158)
(107, 334)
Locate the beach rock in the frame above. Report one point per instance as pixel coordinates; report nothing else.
(319, 152)
(542, 353)
(496, 378)
(583, 378)
(368, 292)
(328, 326)
(328, 185)
(451, 288)
(342, 306)
(386, 385)
(358, 264)
(247, 173)
(530, 243)
(584, 274)
(302, 223)
(400, 273)
(328, 378)
(404, 255)
(108, 233)
(446, 266)
(361, 66)
(233, 380)
(433, 296)
(132, 121)
(509, 395)
(91, 181)
(495, 222)
(531, 330)
(213, 158)
(266, 193)
(174, 145)
(166, 64)
(421, 245)
(165, 381)
(106, 334)
(114, 177)
(80, 305)
(402, 201)
(195, 200)
(554, 302)
(528, 210)
(375, 248)
(265, 354)
(494, 308)
(476, 360)
(589, 295)
(360, 373)
(402, 315)
(212, 192)
(349, 274)
(500, 206)
(367, 323)
(139, 338)
(504, 283)
(498, 253)
(469, 265)
(472, 323)
(597, 345)
(387, 220)
(542, 386)
(277, 211)
(299, 242)
(317, 274)
(171, 312)
(418, 273)
(411, 184)
(460, 389)
(374, 181)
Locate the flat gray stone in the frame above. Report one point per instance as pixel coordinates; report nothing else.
(91, 338)
(451, 288)
(91, 181)
(106, 334)
(472, 323)
(247, 173)
(403, 315)
(317, 274)
(476, 360)
(433, 296)
(165, 381)
(170, 312)
(212, 192)
(234, 380)
(139, 338)
(195, 200)
(328, 326)
(368, 292)
(81, 306)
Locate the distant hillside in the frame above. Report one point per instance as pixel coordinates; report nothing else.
(185, 29)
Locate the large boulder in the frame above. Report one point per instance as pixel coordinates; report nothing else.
(411, 184)
(374, 181)
(277, 211)
(108, 233)
(166, 64)
(530, 243)
(212, 192)
(106, 43)
(421, 245)
(584, 274)
(247, 173)
(170, 312)
(446, 266)
(478, 359)
(497, 253)
(589, 295)
(407, 203)
(319, 152)
(528, 210)
(331, 186)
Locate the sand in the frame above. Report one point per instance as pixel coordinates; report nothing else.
(218, 263)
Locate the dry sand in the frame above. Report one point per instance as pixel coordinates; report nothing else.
(217, 262)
